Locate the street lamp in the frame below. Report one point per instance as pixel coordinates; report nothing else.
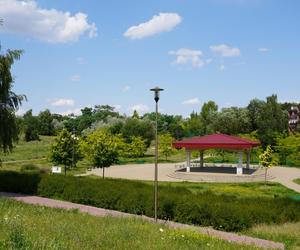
(156, 98)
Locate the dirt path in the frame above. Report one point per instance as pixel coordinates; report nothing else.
(231, 237)
(285, 176)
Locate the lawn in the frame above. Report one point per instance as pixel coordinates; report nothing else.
(297, 181)
(24, 226)
(288, 233)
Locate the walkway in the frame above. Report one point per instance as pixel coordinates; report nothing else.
(231, 237)
(283, 175)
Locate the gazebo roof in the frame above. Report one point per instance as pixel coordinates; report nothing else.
(218, 141)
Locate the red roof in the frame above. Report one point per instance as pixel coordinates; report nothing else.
(219, 141)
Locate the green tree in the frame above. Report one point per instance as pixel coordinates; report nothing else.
(137, 147)
(138, 128)
(66, 150)
(232, 121)
(102, 149)
(207, 114)
(46, 127)
(266, 160)
(165, 145)
(288, 149)
(31, 126)
(9, 101)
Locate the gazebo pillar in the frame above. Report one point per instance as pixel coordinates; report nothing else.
(188, 160)
(248, 158)
(239, 169)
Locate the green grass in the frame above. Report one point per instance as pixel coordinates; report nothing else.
(258, 189)
(29, 150)
(288, 233)
(297, 181)
(25, 226)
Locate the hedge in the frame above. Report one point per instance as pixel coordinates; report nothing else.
(224, 212)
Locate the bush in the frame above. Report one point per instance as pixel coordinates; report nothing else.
(29, 167)
(26, 182)
(223, 212)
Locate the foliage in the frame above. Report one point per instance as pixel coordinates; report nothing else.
(46, 127)
(232, 121)
(102, 149)
(136, 148)
(225, 212)
(66, 150)
(165, 145)
(288, 149)
(9, 101)
(266, 158)
(138, 128)
(31, 126)
(207, 114)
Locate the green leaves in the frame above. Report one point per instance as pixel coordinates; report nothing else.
(266, 158)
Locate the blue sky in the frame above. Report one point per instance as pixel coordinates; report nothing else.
(80, 53)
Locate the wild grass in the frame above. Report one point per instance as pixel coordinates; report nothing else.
(24, 226)
(297, 181)
(288, 233)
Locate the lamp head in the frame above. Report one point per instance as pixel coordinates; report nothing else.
(156, 91)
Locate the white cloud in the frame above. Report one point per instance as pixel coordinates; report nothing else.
(164, 22)
(192, 101)
(126, 88)
(50, 25)
(140, 108)
(75, 78)
(75, 112)
(222, 67)
(225, 50)
(62, 102)
(188, 56)
(263, 50)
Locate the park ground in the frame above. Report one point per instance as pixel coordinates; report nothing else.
(36, 153)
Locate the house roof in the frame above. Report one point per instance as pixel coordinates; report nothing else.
(218, 141)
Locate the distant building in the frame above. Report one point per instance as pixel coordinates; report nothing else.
(294, 118)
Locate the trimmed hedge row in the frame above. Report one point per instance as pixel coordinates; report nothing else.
(222, 212)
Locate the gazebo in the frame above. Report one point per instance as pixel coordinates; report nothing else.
(217, 141)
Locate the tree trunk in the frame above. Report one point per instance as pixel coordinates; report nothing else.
(65, 170)
(102, 172)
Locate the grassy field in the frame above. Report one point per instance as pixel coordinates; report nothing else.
(236, 189)
(288, 233)
(297, 181)
(25, 226)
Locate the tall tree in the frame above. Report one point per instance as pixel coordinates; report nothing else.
(207, 114)
(9, 101)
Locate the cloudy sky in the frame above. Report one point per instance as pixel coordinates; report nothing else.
(81, 53)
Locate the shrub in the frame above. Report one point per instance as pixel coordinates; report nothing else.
(29, 167)
(26, 182)
(223, 212)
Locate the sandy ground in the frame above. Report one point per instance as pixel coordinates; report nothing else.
(283, 175)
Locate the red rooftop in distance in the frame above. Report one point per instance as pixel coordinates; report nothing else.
(217, 141)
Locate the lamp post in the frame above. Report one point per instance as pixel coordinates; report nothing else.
(156, 98)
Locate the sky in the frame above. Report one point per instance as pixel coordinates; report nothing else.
(83, 53)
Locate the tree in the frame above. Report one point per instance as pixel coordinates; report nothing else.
(9, 101)
(288, 149)
(31, 126)
(232, 121)
(208, 111)
(66, 150)
(137, 147)
(46, 127)
(139, 128)
(165, 145)
(266, 160)
(102, 149)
